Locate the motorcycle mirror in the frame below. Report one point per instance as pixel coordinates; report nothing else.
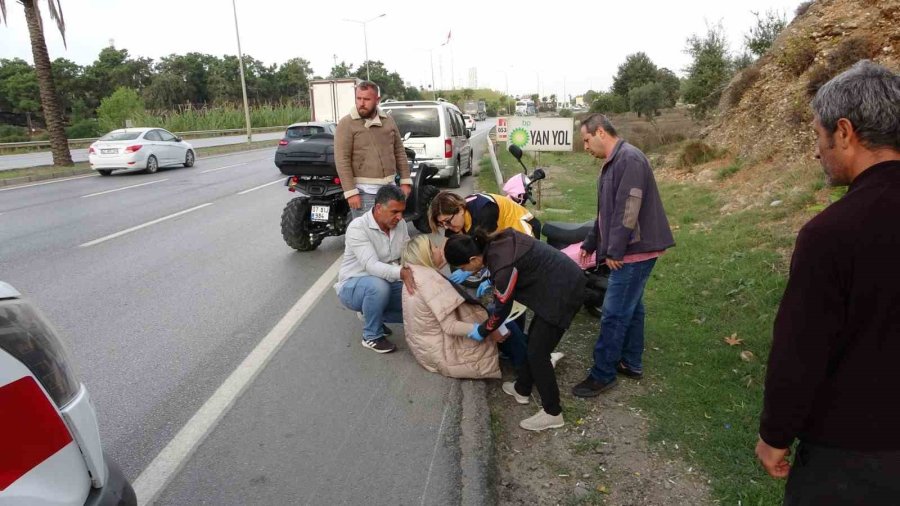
(538, 174)
(516, 151)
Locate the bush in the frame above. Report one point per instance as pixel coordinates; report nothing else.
(10, 133)
(798, 54)
(609, 103)
(844, 55)
(123, 104)
(740, 85)
(803, 7)
(565, 113)
(84, 129)
(696, 153)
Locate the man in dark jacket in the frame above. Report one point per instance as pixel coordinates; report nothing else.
(833, 376)
(631, 231)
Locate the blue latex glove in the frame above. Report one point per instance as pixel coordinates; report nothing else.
(458, 276)
(474, 334)
(483, 288)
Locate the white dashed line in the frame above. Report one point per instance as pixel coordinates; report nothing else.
(122, 188)
(260, 186)
(149, 223)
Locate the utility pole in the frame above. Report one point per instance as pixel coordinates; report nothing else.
(241, 67)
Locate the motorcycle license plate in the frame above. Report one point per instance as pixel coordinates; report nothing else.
(319, 213)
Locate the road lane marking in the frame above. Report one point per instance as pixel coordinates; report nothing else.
(122, 188)
(154, 479)
(144, 225)
(46, 182)
(223, 168)
(437, 441)
(260, 186)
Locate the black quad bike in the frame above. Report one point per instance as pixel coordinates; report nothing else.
(561, 235)
(320, 209)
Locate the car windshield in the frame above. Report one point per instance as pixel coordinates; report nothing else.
(417, 121)
(302, 131)
(121, 136)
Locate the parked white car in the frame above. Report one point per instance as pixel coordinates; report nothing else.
(50, 451)
(470, 121)
(134, 149)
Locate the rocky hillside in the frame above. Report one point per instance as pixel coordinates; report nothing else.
(764, 113)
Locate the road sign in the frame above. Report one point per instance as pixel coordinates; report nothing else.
(539, 134)
(502, 130)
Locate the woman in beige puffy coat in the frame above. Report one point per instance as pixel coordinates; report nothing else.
(436, 320)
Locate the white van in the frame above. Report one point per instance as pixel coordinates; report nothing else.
(50, 451)
(437, 133)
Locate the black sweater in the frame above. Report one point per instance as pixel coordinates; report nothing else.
(834, 370)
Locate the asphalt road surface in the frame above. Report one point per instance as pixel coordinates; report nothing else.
(163, 284)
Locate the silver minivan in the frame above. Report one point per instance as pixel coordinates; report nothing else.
(436, 131)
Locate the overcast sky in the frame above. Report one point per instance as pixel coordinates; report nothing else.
(558, 45)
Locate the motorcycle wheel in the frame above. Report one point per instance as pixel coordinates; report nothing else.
(425, 197)
(293, 225)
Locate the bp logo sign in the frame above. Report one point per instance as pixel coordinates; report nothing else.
(519, 137)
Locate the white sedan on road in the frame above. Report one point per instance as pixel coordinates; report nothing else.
(134, 149)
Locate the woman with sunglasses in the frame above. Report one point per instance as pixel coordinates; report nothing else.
(542, 278)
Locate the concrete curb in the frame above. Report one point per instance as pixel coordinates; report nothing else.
(13, 181)
(476, 446)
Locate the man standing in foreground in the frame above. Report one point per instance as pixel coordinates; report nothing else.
(833, 376)
(368, 151)
(370, 278)
(631, 231)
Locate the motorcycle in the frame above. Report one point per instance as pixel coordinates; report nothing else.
(321, 210)
(566, 237)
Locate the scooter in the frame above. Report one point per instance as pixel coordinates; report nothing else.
(320, 210)
(566, 237)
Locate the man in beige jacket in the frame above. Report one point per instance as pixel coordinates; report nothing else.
(368, 151)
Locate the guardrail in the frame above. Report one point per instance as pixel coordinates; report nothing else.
(195, 133)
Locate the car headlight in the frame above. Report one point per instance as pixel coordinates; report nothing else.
(27, 336)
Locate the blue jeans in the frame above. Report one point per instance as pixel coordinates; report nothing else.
(379, 300)
(368, 202)
(622, 325)
(515, 346)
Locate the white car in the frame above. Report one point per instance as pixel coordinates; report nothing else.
(50, 451)
(134, 149)
(470, 121)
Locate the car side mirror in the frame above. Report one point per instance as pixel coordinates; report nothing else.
(178, 139)
(468, 133)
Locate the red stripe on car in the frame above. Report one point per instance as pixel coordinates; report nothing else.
(31, 429)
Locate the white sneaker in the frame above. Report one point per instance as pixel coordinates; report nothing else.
(361, 317)
(542, 421)
(510, 388)
(556, 357)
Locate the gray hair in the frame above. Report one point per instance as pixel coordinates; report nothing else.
(869, 96)
(389, 193)
(366, 85)
(597, 120)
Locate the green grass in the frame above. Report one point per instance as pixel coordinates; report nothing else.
(725, 276)
(731, 169)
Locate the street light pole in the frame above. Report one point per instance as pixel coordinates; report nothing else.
(241, 67)
(366, 38)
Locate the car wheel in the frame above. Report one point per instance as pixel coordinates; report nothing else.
(189, 158)
(104, 172)
(453, 180)
(152, 165)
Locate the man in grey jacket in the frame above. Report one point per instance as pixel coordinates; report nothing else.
(631, 231)
(370, 279)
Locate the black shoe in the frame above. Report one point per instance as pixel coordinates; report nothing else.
(591, 387)
(628, 373)
(380, 345)
(386, 330)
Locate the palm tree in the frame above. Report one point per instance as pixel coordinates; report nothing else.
(59, 144)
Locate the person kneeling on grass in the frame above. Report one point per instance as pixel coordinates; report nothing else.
(540, 277)
(370, 279)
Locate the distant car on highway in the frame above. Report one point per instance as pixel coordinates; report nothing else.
(50, 451)
(470, 121)
(135, 149)
(289, 152)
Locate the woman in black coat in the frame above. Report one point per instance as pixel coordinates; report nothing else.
(543, 279)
